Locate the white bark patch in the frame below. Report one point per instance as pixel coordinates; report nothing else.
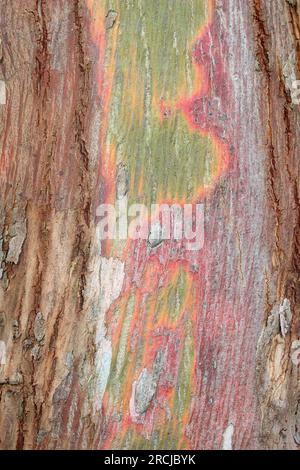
(134, 416)
(69, 360)
(144, 391)
(103, 363)
(122, 181)
(111, 282)
(2, 353)
(155, 236)
(17, 234)
(39, 327)
(285, 317)
(104, 285)
(144, 388)
(2, 92)
(295, 352)
(289, 71)
(227, 437)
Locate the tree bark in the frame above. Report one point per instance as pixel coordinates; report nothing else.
(127, 344)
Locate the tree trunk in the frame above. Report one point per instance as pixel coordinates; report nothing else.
(147, 344)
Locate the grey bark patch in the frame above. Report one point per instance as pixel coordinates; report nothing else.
(17, 234)
(2, 322)
(146, 384)
(122, 181)
(41, 435)
(297, 425)
(159, 363)
(39, 327)
(112, 275)
(289, 72)
(285, 317)
(63, 390)
(27, 343)
(16, 379)
(144, 392)
(69, 360)
(295, 353)
(155, 235)
(271, 329)
(16, 330)
(110, 19)
(293, 3)
(36, 352)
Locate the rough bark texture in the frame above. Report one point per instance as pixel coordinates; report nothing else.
(132, 344)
